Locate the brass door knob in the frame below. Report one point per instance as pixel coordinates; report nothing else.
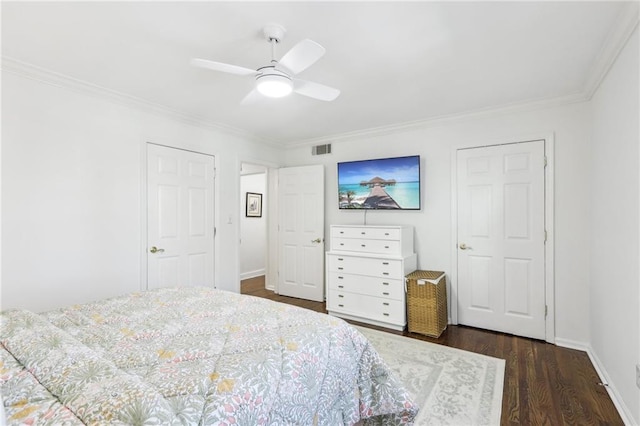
(155, 249)
(463, 246)
(317, 240)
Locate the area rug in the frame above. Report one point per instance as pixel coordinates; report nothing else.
(451, 386)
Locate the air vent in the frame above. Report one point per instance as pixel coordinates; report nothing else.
(321, 149)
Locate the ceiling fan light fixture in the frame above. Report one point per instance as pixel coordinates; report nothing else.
(274, 85)
(275, 80)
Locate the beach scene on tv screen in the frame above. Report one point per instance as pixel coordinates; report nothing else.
(389, 183)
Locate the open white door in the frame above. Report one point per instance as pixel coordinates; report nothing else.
(180, 201)
(501, 238)
(301, 233)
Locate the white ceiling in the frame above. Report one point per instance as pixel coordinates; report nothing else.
(395, 62)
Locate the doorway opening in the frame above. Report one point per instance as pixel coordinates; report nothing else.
(254, 221)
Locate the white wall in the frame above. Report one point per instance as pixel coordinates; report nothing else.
(615, 223)
(253, 230)
(71, 188)
(433, 224)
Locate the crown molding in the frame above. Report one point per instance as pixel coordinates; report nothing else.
(626, 23)
(52, 78)
(621, 31)
(443, 120)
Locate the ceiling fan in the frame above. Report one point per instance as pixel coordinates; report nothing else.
(275, 80)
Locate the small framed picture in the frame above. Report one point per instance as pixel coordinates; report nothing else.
(254, 204)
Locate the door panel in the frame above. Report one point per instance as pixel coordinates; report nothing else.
(167, 211)
(517, 211)
(180, 186)
(501, 281)
(480, 200)
(168, 271)
(301, 235)
(197, 212)
(518, 287)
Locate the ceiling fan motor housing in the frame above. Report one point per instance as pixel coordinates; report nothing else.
(273, 83)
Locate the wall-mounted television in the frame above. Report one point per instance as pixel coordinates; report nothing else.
(380, 184)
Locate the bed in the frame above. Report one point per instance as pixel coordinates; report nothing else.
(193, 356)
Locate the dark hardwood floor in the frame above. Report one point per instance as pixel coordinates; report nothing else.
(544, 384)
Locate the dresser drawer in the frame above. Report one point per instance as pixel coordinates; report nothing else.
(385, 268)
(388, 247)
(365, 232)
(367, 306)
(371, 286)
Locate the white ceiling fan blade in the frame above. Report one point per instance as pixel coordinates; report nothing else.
(252, 97)
(315, 90)
(302, 55)
(219, 66)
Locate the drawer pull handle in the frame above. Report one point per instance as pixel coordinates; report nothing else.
(340, 259)
(385, 304)
(386, 247)
(386, 233)
(385, 263)
(385, 283)
(341, 278)
(340, 286)
(342, 232)
(342, 306)
(384, 273)
(363, 233)
(385, 314)
(340, 295)
(384, 293)
(363, 245)
(340, 268)
(341, 244)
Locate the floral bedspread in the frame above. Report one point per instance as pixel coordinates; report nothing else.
(193, 356)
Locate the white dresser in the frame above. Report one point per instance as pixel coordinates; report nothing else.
(366, 266)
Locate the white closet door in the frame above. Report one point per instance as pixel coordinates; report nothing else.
(501, 236)
(180, 206)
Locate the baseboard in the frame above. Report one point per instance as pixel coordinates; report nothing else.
(623, 410)
(252, 274)
(572, 344)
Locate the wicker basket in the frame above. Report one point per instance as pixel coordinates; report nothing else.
(427, 302)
